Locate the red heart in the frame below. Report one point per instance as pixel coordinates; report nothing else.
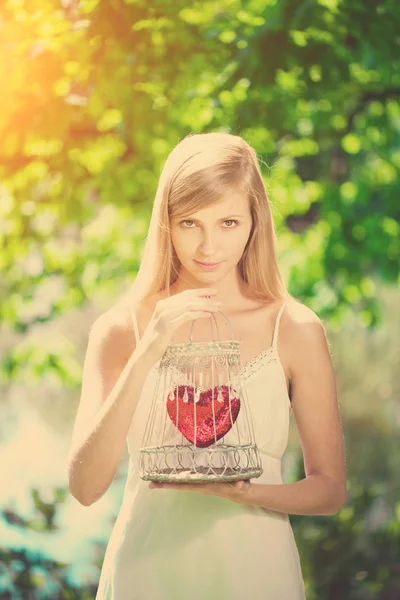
(205, 435)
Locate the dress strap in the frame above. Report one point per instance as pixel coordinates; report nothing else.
(135, 324)
(276, 329)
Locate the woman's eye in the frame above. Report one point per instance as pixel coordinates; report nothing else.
(227, 221)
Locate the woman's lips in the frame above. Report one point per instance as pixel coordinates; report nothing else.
(208, 266)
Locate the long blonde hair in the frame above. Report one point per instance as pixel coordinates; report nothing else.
(200, 169)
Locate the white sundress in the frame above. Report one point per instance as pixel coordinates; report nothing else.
(169, 544)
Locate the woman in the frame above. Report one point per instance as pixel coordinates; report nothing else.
(216, 541)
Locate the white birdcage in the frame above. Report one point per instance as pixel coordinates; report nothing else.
(199, 427)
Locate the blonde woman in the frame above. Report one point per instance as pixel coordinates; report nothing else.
(211, 246)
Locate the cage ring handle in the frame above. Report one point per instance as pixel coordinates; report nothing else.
(212, 327)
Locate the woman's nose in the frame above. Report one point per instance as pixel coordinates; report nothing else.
(208, 244)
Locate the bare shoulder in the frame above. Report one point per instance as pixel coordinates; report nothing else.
(302, 335)
(300, 317)
(113, 330)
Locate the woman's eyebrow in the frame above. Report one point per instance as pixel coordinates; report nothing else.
(221, 219)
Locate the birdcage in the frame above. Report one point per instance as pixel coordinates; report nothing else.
(199, 427)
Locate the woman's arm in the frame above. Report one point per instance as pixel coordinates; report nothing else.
(113, 377)
(315, 407)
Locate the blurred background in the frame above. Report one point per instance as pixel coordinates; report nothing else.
(94, 96)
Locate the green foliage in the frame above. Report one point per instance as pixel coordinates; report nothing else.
(29, 573)
(98, 93)
(355, 554)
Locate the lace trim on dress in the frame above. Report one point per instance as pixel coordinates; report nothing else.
(254, 364)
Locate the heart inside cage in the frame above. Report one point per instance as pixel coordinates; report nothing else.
(203, 417)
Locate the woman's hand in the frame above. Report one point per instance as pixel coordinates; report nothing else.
(169, 313)
(235, 491)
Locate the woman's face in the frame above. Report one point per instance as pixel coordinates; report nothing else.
(215, 234)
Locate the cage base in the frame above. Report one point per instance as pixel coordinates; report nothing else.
(202, 475)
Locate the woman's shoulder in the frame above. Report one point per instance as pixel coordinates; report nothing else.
(301, 329)
(114, 327)
(301, 336)
(120, 317)
(298, 314)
